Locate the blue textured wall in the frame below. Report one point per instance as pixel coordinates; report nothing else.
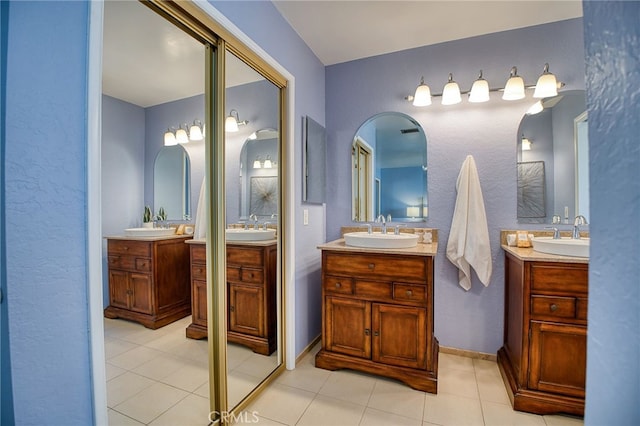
(612, 40)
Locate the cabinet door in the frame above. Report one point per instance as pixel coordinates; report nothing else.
(246, 309)
(558, 358)
(399, 335)
(119, 289)
(348, 326)
(199, 302)
(141, 296)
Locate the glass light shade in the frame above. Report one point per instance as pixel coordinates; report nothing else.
(526, 144)
(256, 164)
(267, 163)
(230, 124)
(514, 89)
(479, 91)
(181, 135)
(170, 138)
(546, 87)
(451, 92)
(422, 97)
(195, 134)
(413, 211)
(535, 108)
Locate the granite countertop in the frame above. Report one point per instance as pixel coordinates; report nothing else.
(150, 238)
(264, 243)
(419, 250)
(529, 254)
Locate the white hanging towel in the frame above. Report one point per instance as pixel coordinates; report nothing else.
(200, 230)
(468, 243)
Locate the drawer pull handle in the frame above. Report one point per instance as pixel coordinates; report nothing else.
(376, 333)
(553, 307)
(409, 293)
(366, 332)
(126, 248)
(231, 308)
(372, 266)
(338, 285)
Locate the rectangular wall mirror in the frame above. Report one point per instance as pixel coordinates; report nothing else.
(313, 162)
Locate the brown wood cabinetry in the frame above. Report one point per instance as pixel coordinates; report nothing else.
(377, 316)
(148, 280)
(251, 290)
(544, 357)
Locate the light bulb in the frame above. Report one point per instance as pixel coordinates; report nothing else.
(422, 97)
(479, 90)
(547, 85)
(170, 138)
(181, 136)
(514, 89)
(451, 92)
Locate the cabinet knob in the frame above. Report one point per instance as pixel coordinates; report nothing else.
(409, 293)
(372, 265)
(366, 332)
(231, 308)
(126, 248)
(338, 285)
(553, 307)
(376, 333)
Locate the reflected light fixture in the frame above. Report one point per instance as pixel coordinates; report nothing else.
(170, 138)
(257, 164)
(232, 122)
(514, 89)
(479, 90)
(451, 92)
(181, 135)
(535, 108)
(526, 144)
(422, 97)
(195, 133)
(413, 212)
(547, 84)
(267, 162)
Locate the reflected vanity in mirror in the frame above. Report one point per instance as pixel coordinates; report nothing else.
(552, 156)
(389, 169)
(172, 183)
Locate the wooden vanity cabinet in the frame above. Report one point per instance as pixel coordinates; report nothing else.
(148, 280)
(377, 316)
(544, 357)
(251, 295)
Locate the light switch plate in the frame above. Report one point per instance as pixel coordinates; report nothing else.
(305, 216)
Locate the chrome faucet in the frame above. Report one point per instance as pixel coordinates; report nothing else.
(556, 232)
(264, 225)
(368, 225)
(253, 217)
(579, 221)
(381, 219)
(397, 228)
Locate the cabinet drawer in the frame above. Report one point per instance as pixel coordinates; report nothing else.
(122, 262)
(245, 275)
(374, 290)
(338, 285)
(132, 248)
(567, 278)
(377, 267)
(199, 272)
(143, 265)
(410, 293)
(244, 256)
(581, 308)
(557, 307)
(199, 253)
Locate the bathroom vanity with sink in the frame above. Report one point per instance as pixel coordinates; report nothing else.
(251, 292)
(377, 312)
(148, 279)
(543, 359)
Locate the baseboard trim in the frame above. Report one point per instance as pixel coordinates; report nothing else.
(468, 354)
(308, 348)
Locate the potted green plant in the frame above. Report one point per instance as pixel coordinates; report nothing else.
(147, 220)
(162, 215)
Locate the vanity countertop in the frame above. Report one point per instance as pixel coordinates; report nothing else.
(156, 238)
(264, 243)
(529, 254)
(419, 250)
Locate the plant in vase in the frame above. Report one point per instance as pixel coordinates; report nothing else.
(147, 220)
(161, 217)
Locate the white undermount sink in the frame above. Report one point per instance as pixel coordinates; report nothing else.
(562, 246)
(250, 234)
(379, 240)
(149, 232)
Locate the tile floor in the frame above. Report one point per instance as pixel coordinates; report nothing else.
(158, 377)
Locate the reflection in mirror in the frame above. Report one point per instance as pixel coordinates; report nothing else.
(389, 169)
(252, 181)
(172, 183)
(553, 161)
(313, 162)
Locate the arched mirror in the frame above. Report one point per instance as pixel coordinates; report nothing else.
(552, 155)
(172, 183)
(389, 169)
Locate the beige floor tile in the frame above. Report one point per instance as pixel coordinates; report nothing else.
(305, 377)
(151, 402)
(236, 355)
(238, 386)
(249, 418)
(187, 377)
(325, 411)
(456, 362)
(125, 386)
(349, 386)
(563, 420)
(492, 389)
(397, 398)
(134, 358)
(504, 415)
(159, 367)
(191, 411)
(282, 404)
(374, 417)
(257, 365)
(112, 371)
(485, 367)
(114, 347)
(454, 410)
(197, 350)
(203, 390)
(166, 342)
(117, 419)
(458, 382)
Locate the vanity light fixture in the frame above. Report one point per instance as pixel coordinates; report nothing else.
(526, 144)
(181, 135)
(514, 89)
(547, 86)
(422, 96)
(479, 90)
(232, 122)
(170, 138)
(257, 164)
(195, 132)
(451, 92)
(413, 212)
(267, 162)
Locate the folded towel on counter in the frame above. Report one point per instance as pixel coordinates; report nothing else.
(468, 243)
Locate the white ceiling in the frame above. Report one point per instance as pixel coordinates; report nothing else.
(148, 61)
